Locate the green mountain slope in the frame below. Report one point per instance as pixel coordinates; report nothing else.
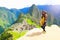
(6, 18)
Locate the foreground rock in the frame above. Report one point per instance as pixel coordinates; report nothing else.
(52, 33)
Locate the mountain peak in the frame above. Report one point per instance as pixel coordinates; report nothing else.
(33, 6)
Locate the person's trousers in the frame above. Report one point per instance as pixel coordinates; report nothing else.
(43, 26)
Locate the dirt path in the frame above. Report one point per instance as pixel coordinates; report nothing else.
(52, 33)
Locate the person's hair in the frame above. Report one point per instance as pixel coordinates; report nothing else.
(43, 13)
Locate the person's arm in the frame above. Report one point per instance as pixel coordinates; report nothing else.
(45, 16)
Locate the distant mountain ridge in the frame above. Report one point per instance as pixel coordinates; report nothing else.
(41, 7)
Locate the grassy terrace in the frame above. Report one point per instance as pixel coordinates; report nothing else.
(16, 34)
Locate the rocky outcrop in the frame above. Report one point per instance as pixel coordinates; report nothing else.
(22, 26)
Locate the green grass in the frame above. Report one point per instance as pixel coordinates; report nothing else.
(30, 22)
(16, 34)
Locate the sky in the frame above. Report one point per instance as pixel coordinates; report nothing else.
(19, 4)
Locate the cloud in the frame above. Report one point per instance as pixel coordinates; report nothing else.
(26, 3)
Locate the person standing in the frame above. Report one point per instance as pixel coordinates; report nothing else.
(43, 20)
